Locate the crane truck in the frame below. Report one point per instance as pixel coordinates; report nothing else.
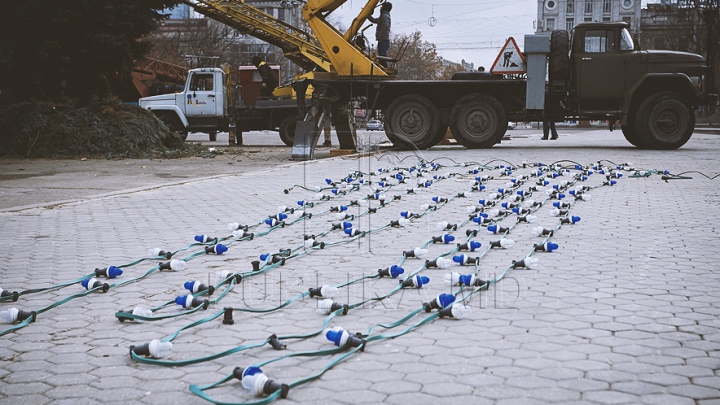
(597, 71)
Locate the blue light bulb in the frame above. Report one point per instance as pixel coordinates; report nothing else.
(347, 224)
(301, 202)
(271, 222)
(421, 280)
(446, 299)
(203, 238)
(466, 279)
(264, 256)
(328, 181)
(396, 270)
(447, 238)
(575, 219)
(399, 177)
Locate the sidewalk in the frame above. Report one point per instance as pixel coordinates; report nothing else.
(624, 312)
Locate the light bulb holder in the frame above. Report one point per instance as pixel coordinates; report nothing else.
(189, 301)
(205, 239)
(255, 265)
(547, 232)
(464, 260)
(471, 233)
(470, 245)
(318, 291)
(439, 302)
(444, 238)
(495, 229)
(163, 253)
(275, 343)
(109, 272)
(228, 316)
(216, 249)
(268, 386)
(571, 220)
(352, 232)
(8, 294)
(196, 287)
(545, 247)
(92, 283)
(393, 271)
(344, 339)
(416, 281)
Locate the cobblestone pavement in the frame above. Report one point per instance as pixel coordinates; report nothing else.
(624, 312)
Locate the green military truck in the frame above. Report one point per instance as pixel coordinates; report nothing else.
(598, 73)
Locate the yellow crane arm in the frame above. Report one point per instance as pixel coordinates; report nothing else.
(346, 58)
(299, 46)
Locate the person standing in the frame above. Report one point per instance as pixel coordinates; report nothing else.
(269, 78)
(382, 32)
(547, 127)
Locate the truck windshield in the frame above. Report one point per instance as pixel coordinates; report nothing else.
(626, 42)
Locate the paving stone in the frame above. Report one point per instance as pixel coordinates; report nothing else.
(587, 328)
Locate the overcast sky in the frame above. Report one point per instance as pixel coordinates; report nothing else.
(474, 30)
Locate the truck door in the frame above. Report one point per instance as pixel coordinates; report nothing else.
(201, 95)
(600, 66)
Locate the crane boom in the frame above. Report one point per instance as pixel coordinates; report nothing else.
(299, 46)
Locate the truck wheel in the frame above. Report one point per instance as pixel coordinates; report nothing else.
(665, 121)
(287, 130)
(213, 136)
(174, 124)
(478, 121)
(412, 122)
(559, 64)
(630, 132)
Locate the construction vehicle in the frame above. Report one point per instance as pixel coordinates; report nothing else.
(240, 108)
(600, 74)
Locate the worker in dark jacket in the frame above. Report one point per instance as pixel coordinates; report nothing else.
(269, 78)
(382, 32)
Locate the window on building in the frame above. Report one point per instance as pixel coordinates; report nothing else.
(588, 6)
(597, 41)
(588, 19)
(281, 14)
(570, 7)
(606, 19)
(607, 6)
(550, 24)
(628, 20)
(569, 24)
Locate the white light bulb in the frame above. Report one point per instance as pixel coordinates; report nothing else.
(281, 208)
(460, 311)
(403, 221)
(142, 311)
(471, 209)
(420, 253)
(494, 212)
(159, 349)
(222, 275)
(452, 278)
(538, 230)
(506, 243)
(443, 263)
(9, 315)
(442, 225)
(328, 291)
(531, 218)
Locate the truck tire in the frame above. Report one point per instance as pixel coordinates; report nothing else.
(287, 130)
(478, 121)
(559, 64)
(173, 123)
(412, 122)
(665, 121)
(213, 136)
(630, 132)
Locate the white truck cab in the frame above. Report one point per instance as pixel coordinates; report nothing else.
(202, 106)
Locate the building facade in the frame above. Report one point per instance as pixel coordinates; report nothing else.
(566, 14)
